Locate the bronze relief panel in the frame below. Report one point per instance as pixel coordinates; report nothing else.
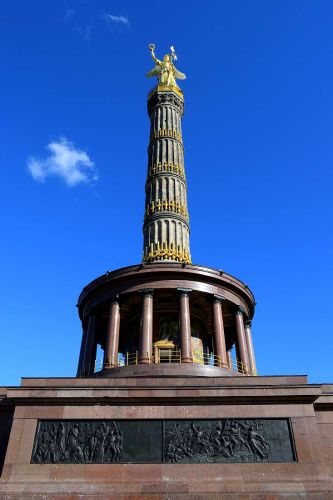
(164, 441)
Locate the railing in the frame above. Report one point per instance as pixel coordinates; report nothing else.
(171, 356)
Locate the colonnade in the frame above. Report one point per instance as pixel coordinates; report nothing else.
(243, 338)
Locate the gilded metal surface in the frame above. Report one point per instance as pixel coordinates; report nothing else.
(165, 70)
(166, 167)
(166, 133)
(167, 251)
(166, 206)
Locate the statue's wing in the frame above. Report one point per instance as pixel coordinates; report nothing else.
(154, 72)
(179, 75)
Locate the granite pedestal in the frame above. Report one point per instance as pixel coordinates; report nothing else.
(159, 398)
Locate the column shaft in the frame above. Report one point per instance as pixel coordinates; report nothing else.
(112, 336)
(80, 366)
(93, 358)
(241, 341)
(90, 350)
(219, 338)
(229, 360)
(166, 201)
(185, 327)
(252, 360)
(146, 330)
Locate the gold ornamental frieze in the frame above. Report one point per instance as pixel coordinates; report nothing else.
(167, 167)
(166, 206)
(168, 133)
(166, 251)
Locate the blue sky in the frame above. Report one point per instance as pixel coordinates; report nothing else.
(258, 145)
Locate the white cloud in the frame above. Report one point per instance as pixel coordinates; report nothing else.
(72, 165)
(117, 19)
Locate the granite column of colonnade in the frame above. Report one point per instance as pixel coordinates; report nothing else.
(241, 342)
(250, 349)
(218, 332)
(112, 336)
(87, 357)
(86, 365)
(244, 344)
(146, 330)
(79, 372)
(146, 327)
(185, 325)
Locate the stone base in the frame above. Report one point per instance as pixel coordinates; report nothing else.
(161, 370)
(308, 408)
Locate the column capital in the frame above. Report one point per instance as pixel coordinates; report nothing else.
(240, 310)
(218, 298)
(248, 323)
(146, 291)
(184, 290)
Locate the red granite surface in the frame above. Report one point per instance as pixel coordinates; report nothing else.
(310, 408)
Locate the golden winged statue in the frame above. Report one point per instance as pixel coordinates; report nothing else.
(165, 70)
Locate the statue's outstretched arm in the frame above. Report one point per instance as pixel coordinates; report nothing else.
(156, 61)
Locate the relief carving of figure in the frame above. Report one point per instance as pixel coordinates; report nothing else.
(61, 438)
(234, 441)
(257, 442)
(184, 441)
(72, 440)
(78, 442)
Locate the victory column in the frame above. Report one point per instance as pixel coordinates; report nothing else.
(166, 224)
(169, 412)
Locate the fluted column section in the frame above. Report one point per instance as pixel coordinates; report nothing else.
(241, 346)
(250, 349)
(166, 222)
(112, 336)
(146, 328)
